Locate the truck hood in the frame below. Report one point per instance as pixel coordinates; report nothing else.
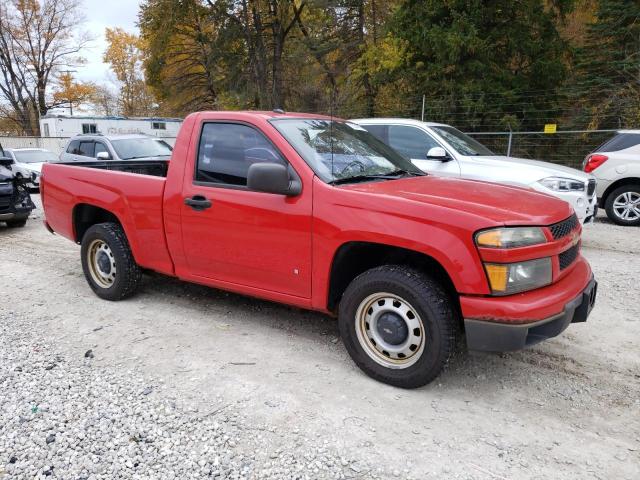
(496, 203)
(524, 171)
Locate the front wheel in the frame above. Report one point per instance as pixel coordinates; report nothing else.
(623, 205)
(398, 325)
(108, 263)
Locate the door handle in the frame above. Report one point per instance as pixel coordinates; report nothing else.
(198, 202)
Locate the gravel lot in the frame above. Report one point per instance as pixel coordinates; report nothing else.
(182, 381)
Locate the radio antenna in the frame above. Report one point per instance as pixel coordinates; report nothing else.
(331, 128)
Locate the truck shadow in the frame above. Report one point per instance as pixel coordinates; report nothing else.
(489, 371)
(244, 309)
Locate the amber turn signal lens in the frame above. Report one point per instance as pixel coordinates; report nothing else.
(490, 238)
(510, 237)
(508, 278)
(497, 276)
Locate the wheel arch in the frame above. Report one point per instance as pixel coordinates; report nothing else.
(85, 215)
(355, 257)
(618, 183)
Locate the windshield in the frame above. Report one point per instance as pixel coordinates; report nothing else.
(463, 144)
(34, 156)
(131, 148)
(340, 151)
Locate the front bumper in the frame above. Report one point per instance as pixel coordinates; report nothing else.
(585, 207)
(489, 336)
(19, 215)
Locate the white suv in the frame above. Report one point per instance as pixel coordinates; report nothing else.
(616, 166)
(443, 150)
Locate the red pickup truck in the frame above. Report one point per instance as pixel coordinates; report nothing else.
(316, 212)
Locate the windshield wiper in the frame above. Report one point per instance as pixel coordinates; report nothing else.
(406, 172)
(376, 176)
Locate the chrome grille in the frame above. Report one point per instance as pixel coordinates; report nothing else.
(564, 228)
(591, 187)
(569, 256)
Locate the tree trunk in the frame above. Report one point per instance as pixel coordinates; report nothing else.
(260, 57)
(277, 93)
(369, 91)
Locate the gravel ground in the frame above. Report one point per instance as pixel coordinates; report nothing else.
(188, 382)
(63, 417)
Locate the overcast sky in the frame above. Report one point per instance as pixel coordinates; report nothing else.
(100, 14)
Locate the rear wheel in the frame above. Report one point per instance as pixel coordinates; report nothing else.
(398, 325)
(623, 205)
(108, 263)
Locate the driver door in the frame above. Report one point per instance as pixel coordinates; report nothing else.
(237, 236)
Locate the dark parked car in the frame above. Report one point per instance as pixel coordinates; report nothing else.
(15, 201)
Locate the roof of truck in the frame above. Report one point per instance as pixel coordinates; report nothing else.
(267, 114)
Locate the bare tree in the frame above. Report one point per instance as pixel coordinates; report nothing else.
(105, 101)
(37, 39)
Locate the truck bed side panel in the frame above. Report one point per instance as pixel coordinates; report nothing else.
(136, 200)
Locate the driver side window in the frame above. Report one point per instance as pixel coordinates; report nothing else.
(227, 150)
(411, 142)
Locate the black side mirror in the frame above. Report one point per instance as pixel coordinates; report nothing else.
(272, 178)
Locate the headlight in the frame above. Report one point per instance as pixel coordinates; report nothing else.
(559, 184)
(508, 278)
(510, 237)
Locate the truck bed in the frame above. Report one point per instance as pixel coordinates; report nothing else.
(132, 191)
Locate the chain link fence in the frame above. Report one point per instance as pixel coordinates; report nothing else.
(563, 147)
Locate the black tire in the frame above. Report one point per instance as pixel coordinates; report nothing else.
(609, 205)
(16, 223)
(127, 274)
(431, 303)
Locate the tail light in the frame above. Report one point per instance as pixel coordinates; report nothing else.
(594, 161)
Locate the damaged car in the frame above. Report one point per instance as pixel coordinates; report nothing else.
(15, 201)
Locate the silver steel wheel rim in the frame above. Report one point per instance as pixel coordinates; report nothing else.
(627, 206)
(399, 356)
(99, 257)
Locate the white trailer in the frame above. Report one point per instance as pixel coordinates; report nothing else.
(67, 126)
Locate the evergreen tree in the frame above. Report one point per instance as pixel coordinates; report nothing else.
(483, 64)
(608, 67)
